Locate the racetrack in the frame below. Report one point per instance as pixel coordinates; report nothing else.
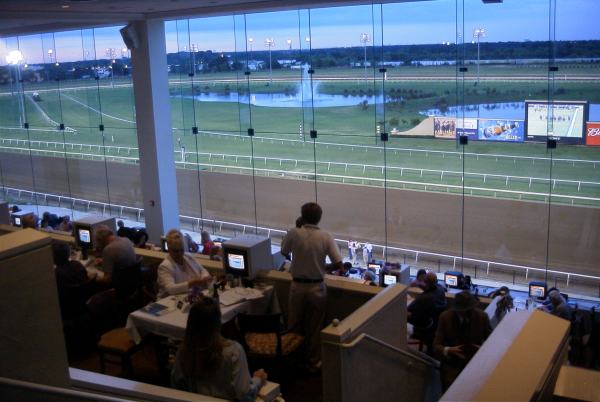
(508, 231)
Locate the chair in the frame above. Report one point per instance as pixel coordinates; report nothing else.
(105, 312)
(118, 343)
(262, 337)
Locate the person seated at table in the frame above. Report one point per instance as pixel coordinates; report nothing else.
(558, 305)
(49, 221)
(370, 278)
(115, 251)
(65, 224)
(424, 311)
(179, 271)
(209, 364)
(419, 281)
(192, 246)
(72, 281)
(125, 231)
(207, 242)
(216, 253)
(29, 221)
(68, 273)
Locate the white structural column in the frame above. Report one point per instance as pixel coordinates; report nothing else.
(153, 118)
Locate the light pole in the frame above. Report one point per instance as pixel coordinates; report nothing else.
(193, 50)
(50, 56)
(250, 42)
(270, 42)
(111, 53)
(289, 43)
(477, 34)
(14, 58)
(364, 39)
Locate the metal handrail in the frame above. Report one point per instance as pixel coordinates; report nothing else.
(428, 361)
(395, 149)
(385, 249)
(52, 390)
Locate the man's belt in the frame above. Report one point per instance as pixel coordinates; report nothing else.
(305, 280)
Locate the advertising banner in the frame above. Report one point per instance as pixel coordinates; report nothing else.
(592, 136)
(444, 127)
(501, 130)
(467, 127)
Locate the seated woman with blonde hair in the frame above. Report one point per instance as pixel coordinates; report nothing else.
(209, 364)
(179, 271)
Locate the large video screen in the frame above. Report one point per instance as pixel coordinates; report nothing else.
(561, 120)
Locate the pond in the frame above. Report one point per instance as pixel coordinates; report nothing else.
(508, 110)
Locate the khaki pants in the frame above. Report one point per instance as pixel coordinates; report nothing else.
(306, 313)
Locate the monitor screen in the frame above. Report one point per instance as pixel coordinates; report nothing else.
(389, 280)
(451, 280)
(564, 120)
(17, 221)
(84, 236)
(236, 261)
(537, 291)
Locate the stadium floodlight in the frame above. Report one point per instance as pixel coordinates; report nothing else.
(14, 58)
(289, 43)
(478, 33)
(364, 39)
(250, 42)
(269, 43)
(111, 53)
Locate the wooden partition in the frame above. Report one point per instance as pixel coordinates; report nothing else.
(520, 361)
(365, 356)
(32, 347)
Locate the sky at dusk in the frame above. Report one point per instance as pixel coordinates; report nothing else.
(423, 22)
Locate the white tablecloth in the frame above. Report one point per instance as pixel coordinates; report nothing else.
(172, 324)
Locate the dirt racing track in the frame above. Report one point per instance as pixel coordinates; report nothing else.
(508, 231)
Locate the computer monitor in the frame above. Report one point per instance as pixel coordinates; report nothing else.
(246, 255)
(17, 217)
(84, 235)
(537, 290)
(453, 279)
(374, 267)
(389, 277)
(84, 231)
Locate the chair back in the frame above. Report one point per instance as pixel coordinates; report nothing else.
(105, 311)
(260, 324)
(127, 280)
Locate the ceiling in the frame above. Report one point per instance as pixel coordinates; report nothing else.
(19, 17)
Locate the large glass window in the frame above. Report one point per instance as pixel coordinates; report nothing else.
(425, 128)
(68, 127)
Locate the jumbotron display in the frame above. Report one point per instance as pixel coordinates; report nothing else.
(563, 120)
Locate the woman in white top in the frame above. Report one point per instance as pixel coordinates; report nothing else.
(179, 271)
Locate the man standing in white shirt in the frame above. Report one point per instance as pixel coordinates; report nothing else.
(308, 294)
(179, 271)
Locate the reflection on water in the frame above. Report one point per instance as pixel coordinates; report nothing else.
(287, 100)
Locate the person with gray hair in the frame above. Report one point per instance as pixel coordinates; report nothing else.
(115, 251)
(558, 305)
(180, 271)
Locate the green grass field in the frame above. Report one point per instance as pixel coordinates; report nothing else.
(342, 130)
